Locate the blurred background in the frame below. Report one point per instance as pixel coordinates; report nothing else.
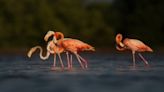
(23, 23)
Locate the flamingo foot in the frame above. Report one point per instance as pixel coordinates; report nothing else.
(82, 67)
(53, 68)
(69, 66)
(85, 62)
(62, 68)
(147, 65)
(85, 66)
(69, 69)
(133, 67)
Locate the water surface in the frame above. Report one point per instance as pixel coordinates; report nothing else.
(107, 72)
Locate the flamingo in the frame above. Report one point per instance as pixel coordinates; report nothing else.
(74, 46)
(51, 49)
(69, 59)
(134, 45)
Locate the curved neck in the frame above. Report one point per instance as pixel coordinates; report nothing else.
(120, 48)
(50, 45)
(118, 38)
(59, 35)
(48, 35)
(41, 54)
(53, 49)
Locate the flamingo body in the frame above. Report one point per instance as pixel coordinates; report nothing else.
(75, 45)
(136, 45)
(55, 49)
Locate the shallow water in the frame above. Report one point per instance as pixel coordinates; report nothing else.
(106, 73)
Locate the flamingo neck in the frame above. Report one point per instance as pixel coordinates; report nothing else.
(60, 38)
(59, 35)
(120, 48)
(52, 48)
(48, 35)
(41, 54)
(118, 38)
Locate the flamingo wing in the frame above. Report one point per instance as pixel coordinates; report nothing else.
(137, 45)
(75, 45)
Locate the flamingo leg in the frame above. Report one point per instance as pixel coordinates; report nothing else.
(61, 62)
(54, 63)
(86, 63)
(79, 60)
(145, 61)
(71, 61)
(134, 62)
(68, 61)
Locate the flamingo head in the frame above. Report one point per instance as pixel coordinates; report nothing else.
(49, 33)
(58, 35)
(119, 39)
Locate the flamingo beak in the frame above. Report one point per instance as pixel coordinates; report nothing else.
(54, 40)
(121, 44)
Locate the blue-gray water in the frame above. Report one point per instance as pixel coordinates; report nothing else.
(107, 72)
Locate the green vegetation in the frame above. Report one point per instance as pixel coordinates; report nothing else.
(23, 23)
(141, 19)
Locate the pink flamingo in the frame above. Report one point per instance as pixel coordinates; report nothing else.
(74, 46)
(134, 45)
(54, 46)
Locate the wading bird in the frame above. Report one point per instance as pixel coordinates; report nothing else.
(69, 58)
(74, 46)
(71, 45)
(134, 45)
(51, 49)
